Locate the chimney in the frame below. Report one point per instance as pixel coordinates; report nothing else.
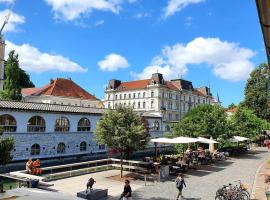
(157, 78)
(113, 84)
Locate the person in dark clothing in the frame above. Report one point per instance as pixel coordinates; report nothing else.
(126, 195)
(180, 183)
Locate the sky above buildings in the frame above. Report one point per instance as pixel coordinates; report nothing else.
(210, 42)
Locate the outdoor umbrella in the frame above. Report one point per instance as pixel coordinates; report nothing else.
(184, 140)
(239, 139)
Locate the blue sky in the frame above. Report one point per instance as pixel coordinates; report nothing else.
(93, 41)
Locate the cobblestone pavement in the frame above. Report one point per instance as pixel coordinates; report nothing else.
(202, 184)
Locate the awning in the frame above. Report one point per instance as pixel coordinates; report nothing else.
(207, 141)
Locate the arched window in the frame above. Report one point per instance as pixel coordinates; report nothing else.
(83, 146)
(61, 125)
(84, 125)
(61, 148)
(156, 126)
(36, 124)
(8, 123)
(35, 149)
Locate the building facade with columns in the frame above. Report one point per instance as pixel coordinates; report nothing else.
(47, 130)
(169, 101)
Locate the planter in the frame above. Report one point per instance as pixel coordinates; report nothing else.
(267, 193)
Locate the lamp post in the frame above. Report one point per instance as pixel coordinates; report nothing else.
(267, 77)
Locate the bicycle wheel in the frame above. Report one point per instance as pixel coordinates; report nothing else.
(247, 193)
(244, 196)
(219, 197)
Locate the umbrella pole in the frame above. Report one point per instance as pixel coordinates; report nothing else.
(155, 151)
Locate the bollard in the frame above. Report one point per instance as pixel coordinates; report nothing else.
(144, 179)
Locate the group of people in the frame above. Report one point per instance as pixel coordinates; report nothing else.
(179, 182)
(33, 167)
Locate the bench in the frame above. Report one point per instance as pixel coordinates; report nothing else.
(136, 168)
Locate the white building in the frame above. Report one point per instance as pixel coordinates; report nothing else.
(168, 101)
(46, 130)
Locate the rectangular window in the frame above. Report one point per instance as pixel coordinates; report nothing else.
(116, 97)
(134, 95)
(176, 117)
(139, 105)
(144, 94)
(139, 95)
(152, 93)
(143, 104)
(120, 96)
(152, 103)
(125, 96)
(170, 116)
(176, 97)
(129, 96)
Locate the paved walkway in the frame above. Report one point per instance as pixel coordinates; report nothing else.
(261, 186)
(201, 184)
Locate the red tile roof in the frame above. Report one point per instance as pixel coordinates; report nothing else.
(60, 87)
(232, 110)
(142, 84)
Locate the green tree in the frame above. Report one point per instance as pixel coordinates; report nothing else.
(231, 106)
(205, 120)
(15, 78)
(246, 123)
(6, 146)
(122, 129)
(257, 92)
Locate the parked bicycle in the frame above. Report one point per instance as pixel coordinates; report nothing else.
(233, 192)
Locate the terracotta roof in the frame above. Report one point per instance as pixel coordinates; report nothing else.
(60, 87)
(142, 84)
(232, 110)
(18, 105)
(199, 93)
(133, 85)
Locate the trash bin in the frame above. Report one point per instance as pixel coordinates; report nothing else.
(267, 193)
(34, 183)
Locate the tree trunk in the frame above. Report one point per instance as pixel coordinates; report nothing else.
(121, 164)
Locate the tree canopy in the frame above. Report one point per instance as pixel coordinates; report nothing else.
(257, 92)
(6, 146)
(231, 106)
(122, 129)
(205, 120)
(15, 78)
(246, 123)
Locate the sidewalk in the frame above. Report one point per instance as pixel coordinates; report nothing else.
(260, 184)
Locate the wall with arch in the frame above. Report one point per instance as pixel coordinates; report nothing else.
(49, 139)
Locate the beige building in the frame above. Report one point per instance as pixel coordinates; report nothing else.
(169, 100)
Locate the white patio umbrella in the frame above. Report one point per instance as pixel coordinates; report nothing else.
(184, 140)
(207, 141)
(162, 140)
(239, 139)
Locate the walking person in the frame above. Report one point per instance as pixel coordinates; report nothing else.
(180, 183)
(126, 195)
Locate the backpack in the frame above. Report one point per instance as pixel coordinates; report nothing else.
(179, 183)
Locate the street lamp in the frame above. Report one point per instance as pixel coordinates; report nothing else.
(266, 75)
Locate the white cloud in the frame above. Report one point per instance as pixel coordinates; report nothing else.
(227, 60)
(32, 60)
(142, 15)
(113, 62)
(73, 9)
(174, 6)
(99, 22)
(14, 20)
(6, 1)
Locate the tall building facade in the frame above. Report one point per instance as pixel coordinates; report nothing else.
(168, 100)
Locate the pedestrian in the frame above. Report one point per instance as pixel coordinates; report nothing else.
(126, 195)
(28, 166)
(180, 183)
